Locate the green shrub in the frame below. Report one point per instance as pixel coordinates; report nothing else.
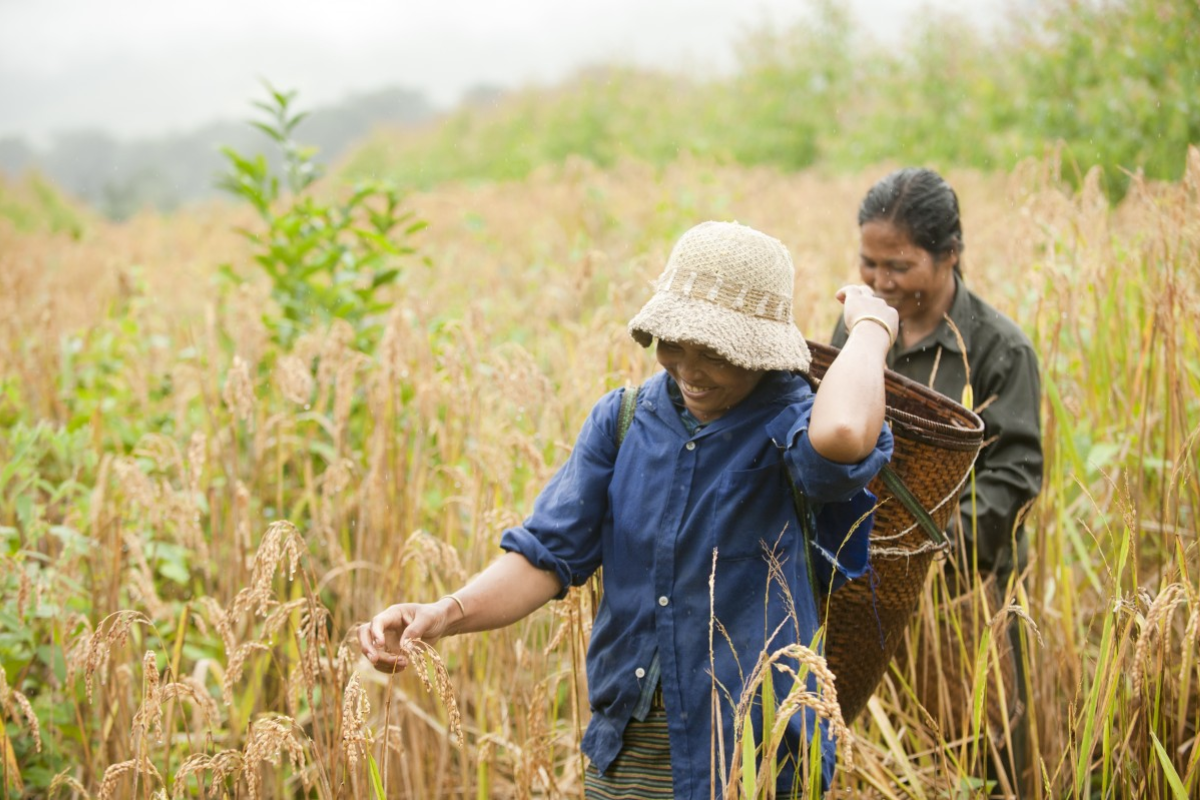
(326, 259)
(1113, 84)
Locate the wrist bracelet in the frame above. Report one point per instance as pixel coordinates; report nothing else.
(454, 597)
(878, 321)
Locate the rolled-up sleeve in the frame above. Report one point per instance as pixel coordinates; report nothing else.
(836, 493)
(563, 534)
(822, 480)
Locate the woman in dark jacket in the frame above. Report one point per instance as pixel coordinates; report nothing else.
(950, 339)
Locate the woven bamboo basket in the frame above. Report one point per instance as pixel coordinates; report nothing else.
(936, 441)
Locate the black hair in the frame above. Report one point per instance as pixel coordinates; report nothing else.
(920, 203)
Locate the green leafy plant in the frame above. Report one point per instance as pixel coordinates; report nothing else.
(326, 259)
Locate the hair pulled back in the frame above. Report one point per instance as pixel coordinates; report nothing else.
(919, 202)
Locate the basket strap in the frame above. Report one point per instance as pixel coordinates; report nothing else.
(897, 487)
(624, 420)
(804, 513)
(625, 416)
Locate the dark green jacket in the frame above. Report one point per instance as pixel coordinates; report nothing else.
(1007, 389)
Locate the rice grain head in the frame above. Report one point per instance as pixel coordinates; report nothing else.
(355, 708)
(295, 380)
(23, 592)
(11, 701)
(110, 634)
(238, 393)
(235, 667)
(192, 689)
(117, 773)
(136, 485)
(196, 457)
(267, 738)
(426, 658)
(222, 765)
(149, 717)
(63, 780)
(1153, 630)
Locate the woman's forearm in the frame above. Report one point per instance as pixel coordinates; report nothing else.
(848, 411)
(509, 589)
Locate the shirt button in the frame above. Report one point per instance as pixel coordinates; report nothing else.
(662, 601)
(690, 445)
(641, 673)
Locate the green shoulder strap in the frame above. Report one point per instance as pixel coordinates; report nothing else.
(805, 516)
(625, 417)
(624, 420)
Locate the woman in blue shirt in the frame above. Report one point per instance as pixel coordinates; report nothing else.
(700, 485)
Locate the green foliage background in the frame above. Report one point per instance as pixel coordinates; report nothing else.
(1110, 83)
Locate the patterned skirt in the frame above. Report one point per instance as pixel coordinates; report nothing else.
(642, 770)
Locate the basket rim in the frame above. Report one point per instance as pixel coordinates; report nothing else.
(964, 432)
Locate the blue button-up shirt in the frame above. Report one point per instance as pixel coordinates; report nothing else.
(652, 512)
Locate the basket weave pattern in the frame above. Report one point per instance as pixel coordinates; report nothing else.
(936, 441)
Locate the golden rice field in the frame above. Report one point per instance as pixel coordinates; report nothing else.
(193, 522)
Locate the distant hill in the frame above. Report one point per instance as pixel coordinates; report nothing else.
(118, 177)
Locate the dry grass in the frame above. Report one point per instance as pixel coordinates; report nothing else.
(161, 575)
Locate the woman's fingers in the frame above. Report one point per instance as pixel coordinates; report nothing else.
(382, 638)
(853, 290)
(861, 303)
(860, 300)
(379, 657)
(389, 663)
(364, 641)
(388, 625)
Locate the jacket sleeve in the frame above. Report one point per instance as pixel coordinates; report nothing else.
(563, 534)
(1008, 471)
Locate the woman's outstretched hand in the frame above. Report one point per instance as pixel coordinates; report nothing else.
(382, 638)
(508, 590)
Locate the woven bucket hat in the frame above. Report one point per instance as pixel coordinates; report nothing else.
(728, 287)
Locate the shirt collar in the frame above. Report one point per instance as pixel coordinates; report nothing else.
(773, 386)
(690, 423)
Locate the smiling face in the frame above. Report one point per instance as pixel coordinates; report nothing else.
(710, 384)
(909, 278)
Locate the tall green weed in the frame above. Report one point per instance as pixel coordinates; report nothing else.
(326, 259)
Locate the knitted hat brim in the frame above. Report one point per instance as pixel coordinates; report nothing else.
(745, 341)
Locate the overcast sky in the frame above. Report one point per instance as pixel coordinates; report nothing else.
(143, 67)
